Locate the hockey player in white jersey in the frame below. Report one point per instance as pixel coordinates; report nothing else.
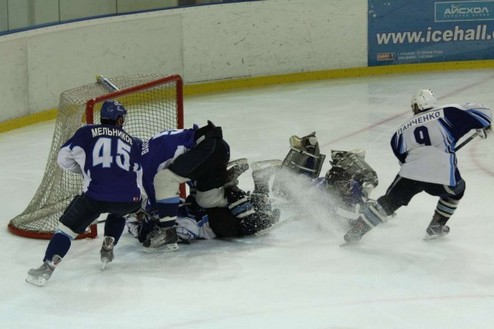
(425, 147)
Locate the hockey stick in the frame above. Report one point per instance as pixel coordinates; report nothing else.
(106, 83)
(466, 141)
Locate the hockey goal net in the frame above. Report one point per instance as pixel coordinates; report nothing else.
(153, 103)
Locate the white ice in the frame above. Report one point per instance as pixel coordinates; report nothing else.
(296, 276)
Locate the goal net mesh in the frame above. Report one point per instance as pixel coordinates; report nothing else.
(153, 103)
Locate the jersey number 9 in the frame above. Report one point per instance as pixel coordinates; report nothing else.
(422, 136)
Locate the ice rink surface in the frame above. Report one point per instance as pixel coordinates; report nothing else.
(296, 276)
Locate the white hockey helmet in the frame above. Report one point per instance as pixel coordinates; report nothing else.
(423, 99)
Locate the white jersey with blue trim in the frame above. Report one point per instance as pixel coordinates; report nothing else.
(425, 144)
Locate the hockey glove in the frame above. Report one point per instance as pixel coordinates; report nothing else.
(484, 132)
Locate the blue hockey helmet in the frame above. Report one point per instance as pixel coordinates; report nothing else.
(112, 110)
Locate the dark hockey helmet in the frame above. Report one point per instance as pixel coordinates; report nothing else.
(112, 110)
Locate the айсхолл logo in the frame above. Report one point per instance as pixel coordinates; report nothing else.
(461, 11)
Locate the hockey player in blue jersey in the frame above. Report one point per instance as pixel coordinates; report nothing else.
(108, 160)
(199, 156)
(425, 147)
(174, 157)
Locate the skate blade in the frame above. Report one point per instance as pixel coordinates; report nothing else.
(36, 281)
(104, 263)
(428, 237)
(260, 165)
(351, 243)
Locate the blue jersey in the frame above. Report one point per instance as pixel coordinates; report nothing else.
(159, 152)
(425, 144)
(108, 159)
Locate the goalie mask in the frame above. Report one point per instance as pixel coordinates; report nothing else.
(304, 156)
(350, 177)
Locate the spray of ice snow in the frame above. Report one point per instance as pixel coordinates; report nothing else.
(297, 196)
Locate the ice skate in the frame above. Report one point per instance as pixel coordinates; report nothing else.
(162, 238)
(235, 168)
(356, 232)
(106, 252)
(437, 227)
(436, 231)
(39, 276)
(261, 174)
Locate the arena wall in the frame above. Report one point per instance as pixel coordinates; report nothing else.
(223, 45)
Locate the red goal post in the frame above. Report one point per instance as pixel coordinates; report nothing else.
(153, 102)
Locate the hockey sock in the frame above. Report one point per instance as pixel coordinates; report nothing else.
(446, 208)
(114, 227)
(58, 245)
(167, 211)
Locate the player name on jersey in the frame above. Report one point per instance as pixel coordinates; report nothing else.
(145, 147)
(108, 131)
(418, 120)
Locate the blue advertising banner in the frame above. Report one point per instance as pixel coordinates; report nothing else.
(422, 31)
